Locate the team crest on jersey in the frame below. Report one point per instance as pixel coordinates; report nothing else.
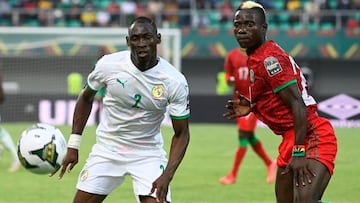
(84, 175)
(272, 66)
(158, 91)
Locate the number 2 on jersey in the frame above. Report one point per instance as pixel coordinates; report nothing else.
(137, 98)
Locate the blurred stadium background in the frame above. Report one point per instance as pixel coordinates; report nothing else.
(46, 46)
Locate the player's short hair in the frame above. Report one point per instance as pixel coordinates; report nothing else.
(251, 5)
(143, 19)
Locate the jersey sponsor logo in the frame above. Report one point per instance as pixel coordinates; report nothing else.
(122, 83)
(158, 91)
(272, 66)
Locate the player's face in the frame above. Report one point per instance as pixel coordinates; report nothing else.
(247, 30)
(143, 41)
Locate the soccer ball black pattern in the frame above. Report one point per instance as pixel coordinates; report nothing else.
(41, 148)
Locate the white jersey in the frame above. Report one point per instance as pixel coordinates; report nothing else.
(135, 102)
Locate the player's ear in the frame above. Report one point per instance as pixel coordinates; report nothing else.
(127, 41)
(158, 38)
(264, 27)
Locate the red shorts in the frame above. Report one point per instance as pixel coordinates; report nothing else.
(247, 123)
(320, 144)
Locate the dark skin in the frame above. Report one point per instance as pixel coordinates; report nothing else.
(241, 133)
(302, 180)
(142, 40)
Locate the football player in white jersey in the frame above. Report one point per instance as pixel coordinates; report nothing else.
(140, 86)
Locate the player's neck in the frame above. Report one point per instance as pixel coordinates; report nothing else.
(251, 50)
(144, 65)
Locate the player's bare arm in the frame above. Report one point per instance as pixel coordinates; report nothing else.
(238, 107)
(178, 148)
(81, 114)
(299, 165)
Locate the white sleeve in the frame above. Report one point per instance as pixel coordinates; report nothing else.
(179, 102)
(96, 78)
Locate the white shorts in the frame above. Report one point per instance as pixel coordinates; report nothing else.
(101, 174)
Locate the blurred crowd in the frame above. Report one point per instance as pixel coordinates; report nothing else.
(175, 13)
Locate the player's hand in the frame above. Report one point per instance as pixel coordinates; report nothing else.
(161, 185)
(301, 171)
(71, 159)
(238, 107)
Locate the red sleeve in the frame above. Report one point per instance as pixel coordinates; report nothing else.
(279, 71)
(228, 66)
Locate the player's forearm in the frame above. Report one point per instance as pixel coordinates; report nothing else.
(81, 115)
(292, 97)
(299, 115)
(177, 152)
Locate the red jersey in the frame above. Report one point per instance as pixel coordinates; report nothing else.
(236, 68)
(271, 70)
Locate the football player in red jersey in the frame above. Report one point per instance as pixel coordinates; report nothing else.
(279, 98)
(237, 75)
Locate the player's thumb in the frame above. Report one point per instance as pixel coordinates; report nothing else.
(152, 189)
(286, 170)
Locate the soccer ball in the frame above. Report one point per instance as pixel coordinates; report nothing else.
(42, 148)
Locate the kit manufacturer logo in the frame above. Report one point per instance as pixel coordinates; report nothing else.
(340, 106)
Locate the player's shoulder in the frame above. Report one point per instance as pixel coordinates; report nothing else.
(272, 48)
(171, 70)
(115, 57)
(167, 66)
(268, 51)
(109, 62)
(234, 52)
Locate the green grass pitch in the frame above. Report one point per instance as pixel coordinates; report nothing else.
(209, 156)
